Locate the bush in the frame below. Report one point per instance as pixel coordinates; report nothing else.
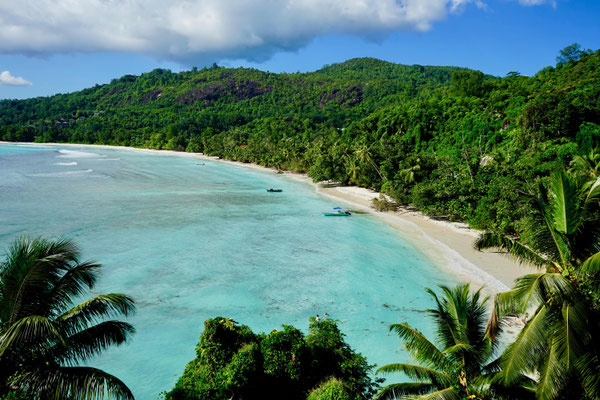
(234, 363)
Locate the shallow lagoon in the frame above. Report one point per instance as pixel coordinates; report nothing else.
(191, 239)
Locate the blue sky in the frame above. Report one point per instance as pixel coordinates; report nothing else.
(49, 47)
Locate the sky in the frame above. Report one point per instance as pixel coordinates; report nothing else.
(61, 46)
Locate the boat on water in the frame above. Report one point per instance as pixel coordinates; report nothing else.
(274, 190)
(338, 212)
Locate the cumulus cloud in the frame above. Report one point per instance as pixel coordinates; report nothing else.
(204, 30)
(6, 78)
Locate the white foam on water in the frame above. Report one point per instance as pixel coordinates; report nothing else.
(78, 154)
(63, 174)
(67, 163)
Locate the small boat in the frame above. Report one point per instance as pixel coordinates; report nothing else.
(274, 190)
(337, 213)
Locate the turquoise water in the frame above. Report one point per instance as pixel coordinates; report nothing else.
(191, 239)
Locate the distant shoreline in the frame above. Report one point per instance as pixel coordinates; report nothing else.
(448, 245)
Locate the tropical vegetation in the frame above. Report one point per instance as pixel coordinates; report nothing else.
(44, 336)
(463, 364)
(450, 141)
(559, 343)
(232, 362)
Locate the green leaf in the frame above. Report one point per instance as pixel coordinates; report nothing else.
(403, 389)
(82, 383)
(521, 356)
(565, 204)
(590, 267)
(417, 372)
(522, 253)
(419, 346)
(32, 331)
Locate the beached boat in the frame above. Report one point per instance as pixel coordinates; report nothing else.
(274, 190)
(337, 213)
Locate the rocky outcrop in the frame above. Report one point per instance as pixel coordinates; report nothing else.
(231, 90)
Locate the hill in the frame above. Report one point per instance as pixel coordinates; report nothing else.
(451, 141)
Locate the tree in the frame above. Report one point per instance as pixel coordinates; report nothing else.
(43, 337)
(559, 341)
(463, 366)
(234, 363)
(569, 54)
(565, 230)
(467, 83)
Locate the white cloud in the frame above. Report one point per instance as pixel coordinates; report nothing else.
(204, 30)
(537, 2)
(6, 78)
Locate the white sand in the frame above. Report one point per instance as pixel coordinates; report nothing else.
(448, 245)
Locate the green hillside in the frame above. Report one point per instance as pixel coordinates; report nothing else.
(451, 141)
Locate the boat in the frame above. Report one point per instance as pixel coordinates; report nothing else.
(337, 213)
(274, 190)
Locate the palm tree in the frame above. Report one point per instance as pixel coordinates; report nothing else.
(363, 154)
(558, 342)
(463, 366)
(587, 165)
(43, 337)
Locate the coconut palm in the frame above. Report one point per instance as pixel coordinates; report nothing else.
(558, 341)
(462, 366)
(565, 230)
(44, 336)
(363, 154)
(587, 165)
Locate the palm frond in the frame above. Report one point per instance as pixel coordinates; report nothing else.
(91, 341)
(551, 375)
(444, 394)
(522, 355)
(505, 304)
(417, 372)
(419, 346)
(404, 390)
(72, 284)
(31, 269)
(82, 383)
(458, 348)
(588, 370)
(90, 311)
(522, 253)
(565, 203)
(534, 289)
(593, 191)
(32, 331)
(590, 267)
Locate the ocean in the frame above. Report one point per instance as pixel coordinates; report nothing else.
(190, 239)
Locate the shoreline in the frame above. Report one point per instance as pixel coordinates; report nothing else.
(449, 245)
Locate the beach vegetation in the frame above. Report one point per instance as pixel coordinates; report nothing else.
(558, 344)
(45, 336)
(232, 362)
(461, 364)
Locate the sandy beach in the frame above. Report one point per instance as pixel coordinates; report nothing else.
(448, 245)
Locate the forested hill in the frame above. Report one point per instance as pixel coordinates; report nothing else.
(450, 141)
(218, 98)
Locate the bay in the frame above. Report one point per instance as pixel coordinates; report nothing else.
(192, 239)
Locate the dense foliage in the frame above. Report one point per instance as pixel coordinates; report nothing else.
(232, 362)
(452, 142)
(44, 336)
(559, 344)
(462, 366)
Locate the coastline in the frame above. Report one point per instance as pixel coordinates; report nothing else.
(449, 245)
